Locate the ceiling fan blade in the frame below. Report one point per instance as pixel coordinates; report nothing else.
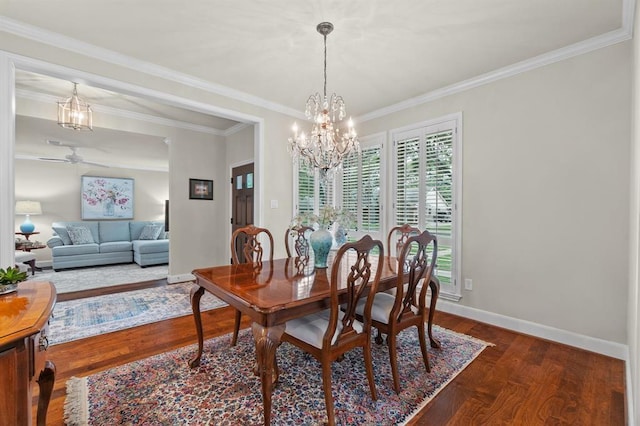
(94, 164)
(58, 143)
(59, 160)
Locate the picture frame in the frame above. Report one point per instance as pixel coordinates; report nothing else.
(106, 198)
(200, 189)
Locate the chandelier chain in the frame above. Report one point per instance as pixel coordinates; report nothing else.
(329, 141)
(325, 65)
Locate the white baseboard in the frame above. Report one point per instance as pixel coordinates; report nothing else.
(605, 347)
(173, 279)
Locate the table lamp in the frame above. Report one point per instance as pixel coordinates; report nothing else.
(28, 208)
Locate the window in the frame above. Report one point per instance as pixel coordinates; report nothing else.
(311, 192)
(360, 188)
(425, 190)
(423, 186)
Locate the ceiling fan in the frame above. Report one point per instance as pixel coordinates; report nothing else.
(72, 158)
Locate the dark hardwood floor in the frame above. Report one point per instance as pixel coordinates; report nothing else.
(521, 381)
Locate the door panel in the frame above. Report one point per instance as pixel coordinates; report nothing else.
(242, 195)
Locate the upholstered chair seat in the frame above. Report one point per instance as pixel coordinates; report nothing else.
(311, 328)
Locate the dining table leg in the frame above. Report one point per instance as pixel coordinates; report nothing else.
(434, 285)
(267, 340)
(196, 294)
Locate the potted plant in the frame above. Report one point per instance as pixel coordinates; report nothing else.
(9, 279)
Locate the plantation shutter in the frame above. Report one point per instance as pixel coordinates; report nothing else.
(350, 181)
(425, 195)
(370, 220)
(360, 189)
(439, 182)
(407, 182)
(306, 190)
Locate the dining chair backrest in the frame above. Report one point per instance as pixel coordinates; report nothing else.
(398, 236)
(355, 267)
(416, 263)
(298, 236)
(246, 241)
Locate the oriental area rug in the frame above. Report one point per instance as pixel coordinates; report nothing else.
(91, 316)
(163, 390)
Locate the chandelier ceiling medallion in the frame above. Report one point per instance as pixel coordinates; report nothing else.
(74, 113)
(326, 145)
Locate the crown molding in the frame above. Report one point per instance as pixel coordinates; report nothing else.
(109, 165)
(598, 42)
(235, 129)
(67, 43)
(130, 115)
(54, 39)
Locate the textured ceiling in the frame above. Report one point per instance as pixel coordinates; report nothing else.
(380, 54)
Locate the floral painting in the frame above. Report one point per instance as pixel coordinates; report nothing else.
(107, 198)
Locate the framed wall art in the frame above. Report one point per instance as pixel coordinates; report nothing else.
(106, 198)
(200, 189)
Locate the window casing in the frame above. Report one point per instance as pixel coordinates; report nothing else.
(427, 190)
(423, 187)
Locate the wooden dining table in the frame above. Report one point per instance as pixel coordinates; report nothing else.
(273, 293)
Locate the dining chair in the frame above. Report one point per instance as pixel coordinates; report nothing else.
(246, 241)
(399, 235)
(298, 236)
(392, 313)
(329, 334)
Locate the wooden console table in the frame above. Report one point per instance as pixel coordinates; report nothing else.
(24, 319)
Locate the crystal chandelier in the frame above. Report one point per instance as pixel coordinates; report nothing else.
(74, 113)
(326, 145)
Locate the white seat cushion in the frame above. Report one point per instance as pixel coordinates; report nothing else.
(381, 308)
(311, 328)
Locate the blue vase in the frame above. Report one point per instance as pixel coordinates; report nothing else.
(321, 242)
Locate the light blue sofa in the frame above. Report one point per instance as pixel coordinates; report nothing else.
(109, 242)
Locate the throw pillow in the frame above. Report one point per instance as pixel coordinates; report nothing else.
(150, 232)
(80, 235)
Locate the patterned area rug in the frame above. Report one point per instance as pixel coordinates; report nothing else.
(162, 390)
(70, 280)
(77, 319)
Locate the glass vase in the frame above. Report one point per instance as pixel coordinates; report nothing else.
(321, 242)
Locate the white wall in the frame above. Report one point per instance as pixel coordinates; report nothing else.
(546, 183)
(196, 226)
(545, 191)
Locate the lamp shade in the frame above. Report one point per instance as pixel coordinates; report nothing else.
(28, 207)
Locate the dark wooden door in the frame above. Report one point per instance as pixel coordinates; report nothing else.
(242, 204)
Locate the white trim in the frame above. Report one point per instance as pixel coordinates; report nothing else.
(624, 33)
(604, 347)
(9, 62)
(76, 46)
(65, 73)
(582, 47)
(130, 115)
(7, 151)
(235, 129)
(174, 279)
(111, 165)
(454, 290)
